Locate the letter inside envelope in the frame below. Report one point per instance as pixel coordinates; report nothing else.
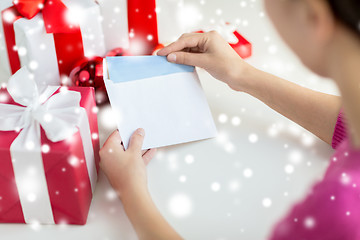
(164, 98)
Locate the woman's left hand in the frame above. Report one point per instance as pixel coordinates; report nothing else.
(126, 170)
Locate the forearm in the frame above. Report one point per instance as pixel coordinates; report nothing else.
(317, 112)
(145, 217)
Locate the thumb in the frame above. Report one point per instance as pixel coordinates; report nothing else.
(192, 59)
(136, 140)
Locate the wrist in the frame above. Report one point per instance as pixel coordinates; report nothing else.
(133, 191)
(245, 78)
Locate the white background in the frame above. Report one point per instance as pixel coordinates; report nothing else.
(201, 188)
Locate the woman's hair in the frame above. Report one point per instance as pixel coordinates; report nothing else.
(348, 12)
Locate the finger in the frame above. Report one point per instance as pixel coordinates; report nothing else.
(137, 140)
(187, 58)
(149, 155)
(190, 41)
(114, 141)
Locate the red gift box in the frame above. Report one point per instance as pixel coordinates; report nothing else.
(49, 37)
(70, 166)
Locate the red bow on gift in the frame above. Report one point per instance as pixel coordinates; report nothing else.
(242, 47)
(54, 12)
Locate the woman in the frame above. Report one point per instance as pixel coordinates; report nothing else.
(325, 34)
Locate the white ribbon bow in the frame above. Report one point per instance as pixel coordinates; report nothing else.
(59, 115)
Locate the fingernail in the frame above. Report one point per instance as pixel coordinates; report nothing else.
(172, 57)
(141, 132)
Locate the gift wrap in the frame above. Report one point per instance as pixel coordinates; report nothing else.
(50, 43)
(130, 25)
(115, 23)
(48, 152)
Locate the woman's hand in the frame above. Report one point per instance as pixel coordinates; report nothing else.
(126, 170)
(211, 52)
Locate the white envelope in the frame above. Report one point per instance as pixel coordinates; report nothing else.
(164, 98)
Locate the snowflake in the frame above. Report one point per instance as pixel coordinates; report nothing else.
(267, 202)
(180, 205)
(31, 197)
(188, 16)
(173, 163)
(95, 110)
(345, 179)
(272, 49)
(229, 147)
(309, 222)
(94, 136)
(182, 178)
(289, 169)
(248, 173)
(236, 121)
(150, 37)
(33, 65)
(22, 51)
(30, 145)
(48, 117)
(253, 138)
(45, 148)
(295, 157)
(111, 195)
(74, 161)
(8, 16)
(223, 118)
(35, 225)
(189, 159)
(215, 186)
(3, 97)
(222, 137)
(234, 185)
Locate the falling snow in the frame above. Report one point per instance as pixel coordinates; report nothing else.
(223, 167)
(180, 205)
(267, 202)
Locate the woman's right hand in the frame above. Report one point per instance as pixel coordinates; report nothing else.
(211, 52)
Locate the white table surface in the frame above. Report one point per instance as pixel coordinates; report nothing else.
(203, 189)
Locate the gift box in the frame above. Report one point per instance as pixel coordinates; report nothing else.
(231, 34)
(130, 25)
(114, 23)
(49, 37)
(48, 152)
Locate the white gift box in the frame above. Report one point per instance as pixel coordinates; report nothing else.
(115, 23)
(5, 71)
(36, 48)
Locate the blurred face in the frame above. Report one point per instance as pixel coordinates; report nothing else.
(305, 26)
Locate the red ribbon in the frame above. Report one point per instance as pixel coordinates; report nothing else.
(142, 23)
(54, 14)
(242, 47)
(8, 17)
(29, 8)
(67, 36)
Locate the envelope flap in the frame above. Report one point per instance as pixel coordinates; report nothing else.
(130, 68)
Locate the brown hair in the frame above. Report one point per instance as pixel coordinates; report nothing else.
(348, 12)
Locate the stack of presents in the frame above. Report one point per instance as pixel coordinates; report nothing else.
(51, 54)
